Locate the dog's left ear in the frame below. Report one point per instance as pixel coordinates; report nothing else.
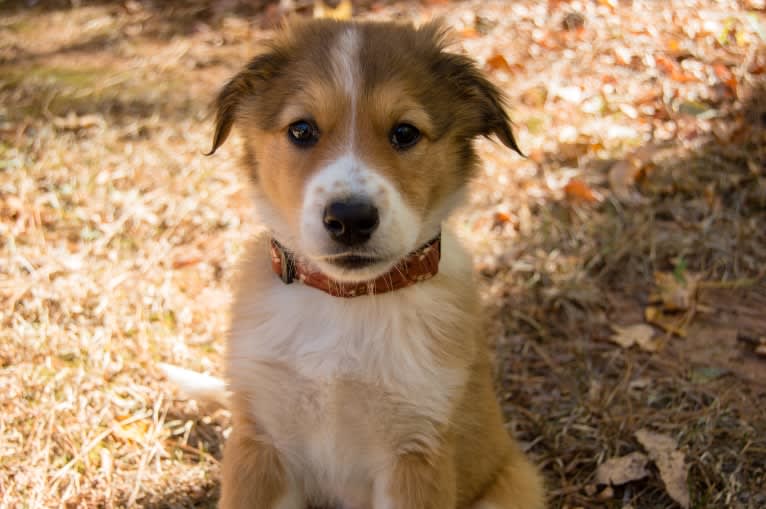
(492, 106)
(485, 105)
(247, 84)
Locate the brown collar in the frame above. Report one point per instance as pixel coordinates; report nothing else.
(417, 266)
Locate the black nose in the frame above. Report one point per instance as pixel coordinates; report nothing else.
(351, 222)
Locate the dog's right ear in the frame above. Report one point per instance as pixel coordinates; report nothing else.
(247, 84)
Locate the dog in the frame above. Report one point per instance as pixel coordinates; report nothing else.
(357, 372)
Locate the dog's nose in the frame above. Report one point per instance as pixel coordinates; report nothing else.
(351, 222)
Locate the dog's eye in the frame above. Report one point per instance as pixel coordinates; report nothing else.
(303, 133)
(404, 136)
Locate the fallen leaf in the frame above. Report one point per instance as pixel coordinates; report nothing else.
(754, 340)
(469, 33)
(618, 471)
(186, 261)
(672, 69)
(606, 494)
(638, 334)
(576, 190)
(726, 76)
(535, 96)
(623, 56)
(74, 122)
(573, 21)
(572, 150)
(674, 324)
(501, 218)
(674, 292)
(663, 451)
(497, 62)
(622, 177)
(342, 11)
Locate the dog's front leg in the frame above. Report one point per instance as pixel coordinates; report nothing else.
(417, 481)
(254, 476)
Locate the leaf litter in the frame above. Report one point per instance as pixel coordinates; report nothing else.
(118, 241)
(624, 469)
(671, 463)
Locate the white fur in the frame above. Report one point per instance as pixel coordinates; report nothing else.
(380, 496)
(198, 386)
(395, 236)
(294, 347)
(292, 499)
(344, 60)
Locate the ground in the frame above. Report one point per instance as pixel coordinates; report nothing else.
(642, 200)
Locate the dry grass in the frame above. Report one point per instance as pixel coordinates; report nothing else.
(117, 240)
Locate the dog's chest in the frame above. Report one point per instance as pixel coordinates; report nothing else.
(341, 385)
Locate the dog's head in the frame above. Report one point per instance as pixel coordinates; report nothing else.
(359, 138)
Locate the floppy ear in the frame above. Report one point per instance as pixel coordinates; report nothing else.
(495, 119)
(485, 104)
(246, 84)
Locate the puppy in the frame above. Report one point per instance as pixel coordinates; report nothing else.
(357, 369)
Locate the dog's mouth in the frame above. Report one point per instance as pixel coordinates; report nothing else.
(353, 261)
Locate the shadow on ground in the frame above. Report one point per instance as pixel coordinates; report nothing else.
(577, 399)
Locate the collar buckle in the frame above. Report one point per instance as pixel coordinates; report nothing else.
(286, 263)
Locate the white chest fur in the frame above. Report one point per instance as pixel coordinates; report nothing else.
(328, 378)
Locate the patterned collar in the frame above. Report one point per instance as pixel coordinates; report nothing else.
(420, 265)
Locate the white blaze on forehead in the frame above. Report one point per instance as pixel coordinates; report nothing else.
(344, 60)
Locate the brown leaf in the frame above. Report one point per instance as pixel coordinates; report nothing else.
(673, 45)
(754, 340)
(672, 69)
(535, 96)
(672, 324)
(186, 261)
(674, 293)
(726, 76)
(342, 11)
(622, 177)
(576, 190)
(663, 451)
(497, 62)
(573, 21)
(501, 218)
(638, 334)
(73, 122)
(469, 33)
(623, 174)
(611, 4)
(618, 471)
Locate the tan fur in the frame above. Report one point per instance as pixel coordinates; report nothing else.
(378, 402)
